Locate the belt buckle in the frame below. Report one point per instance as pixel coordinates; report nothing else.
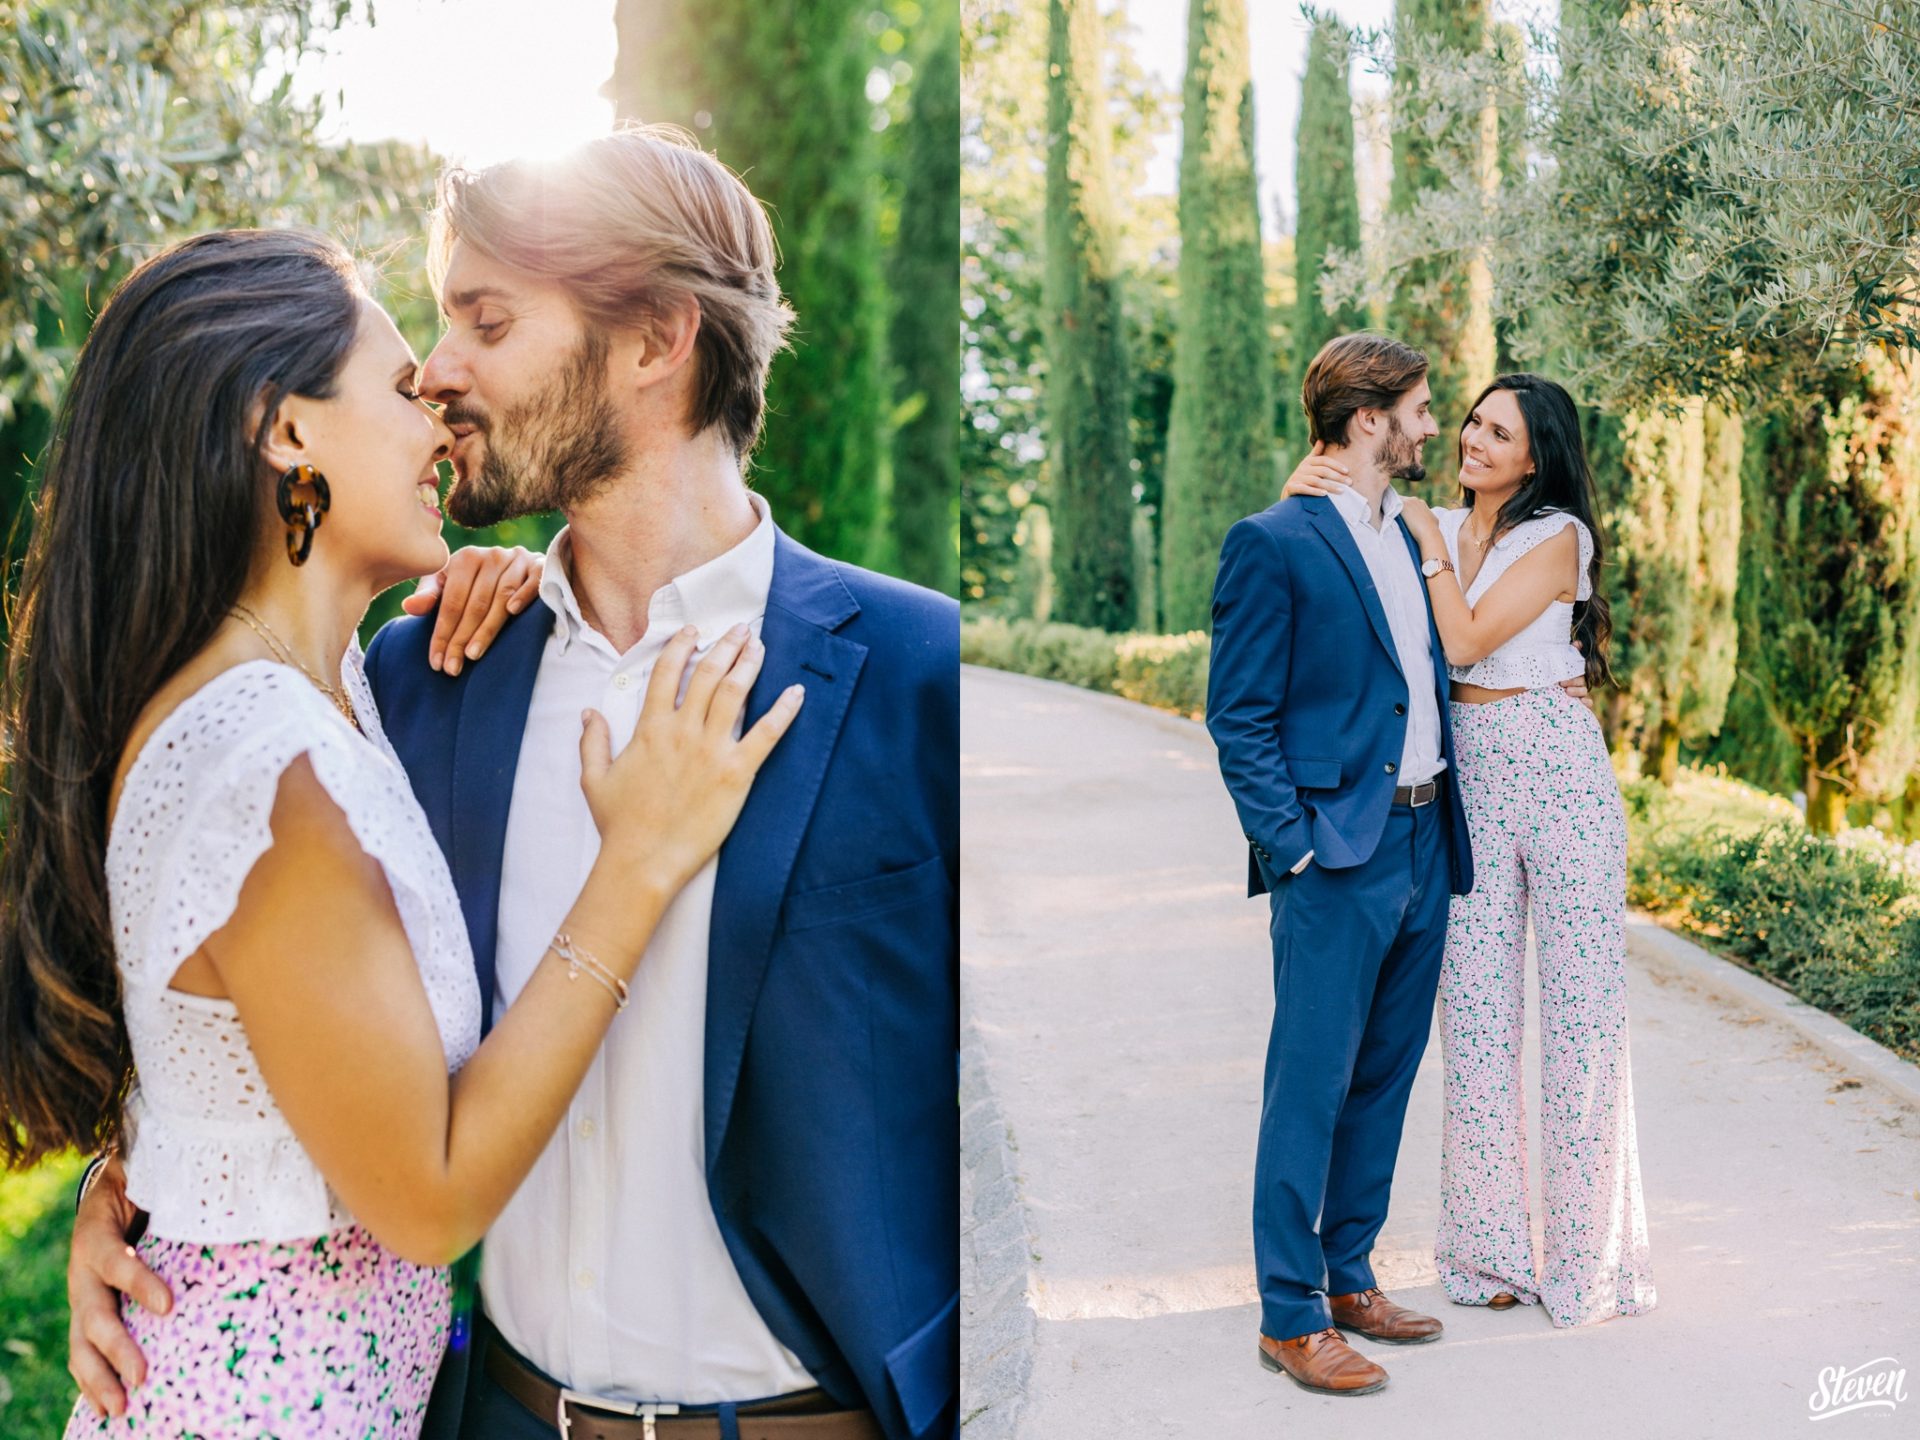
(645, 1411)
(1413, 794)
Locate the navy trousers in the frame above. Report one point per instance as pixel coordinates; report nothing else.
(1356, 962)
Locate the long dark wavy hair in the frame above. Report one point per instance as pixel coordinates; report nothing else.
(1561, 480)
(150, 506)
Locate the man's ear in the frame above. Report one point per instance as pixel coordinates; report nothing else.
(1367, 419)
(667, 343)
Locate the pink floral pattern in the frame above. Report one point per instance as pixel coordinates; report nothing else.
(1549, 834)
(333, 1338)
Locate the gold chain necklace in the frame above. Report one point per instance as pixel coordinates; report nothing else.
(283, 652)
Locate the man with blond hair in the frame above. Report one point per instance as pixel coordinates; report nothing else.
(747, 1227)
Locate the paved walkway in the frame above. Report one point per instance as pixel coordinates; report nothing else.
(1119, 984)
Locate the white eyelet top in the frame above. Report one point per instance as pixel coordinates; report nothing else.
(209, 1155)
(1542, 653)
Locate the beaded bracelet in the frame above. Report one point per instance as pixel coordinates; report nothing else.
(582, 962)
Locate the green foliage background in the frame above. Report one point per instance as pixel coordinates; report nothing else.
(1327, 209)
(1220, 450)
(1704, 218)
(1089, 395)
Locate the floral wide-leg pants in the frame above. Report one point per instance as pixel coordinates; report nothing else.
(331, 1338)
(1549, 835)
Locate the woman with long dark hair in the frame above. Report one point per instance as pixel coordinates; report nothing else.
(1513, 578)
(228, 941)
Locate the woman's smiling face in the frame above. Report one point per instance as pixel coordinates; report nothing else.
(376, 442)
(1495, 454)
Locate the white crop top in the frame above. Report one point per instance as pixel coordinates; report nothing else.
(209, 1155)
(1542, 653)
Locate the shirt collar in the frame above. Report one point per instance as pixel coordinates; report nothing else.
(728, 590)
(1354, 509)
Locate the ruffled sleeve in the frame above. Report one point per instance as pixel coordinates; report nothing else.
(1532, 533)
(210, 792)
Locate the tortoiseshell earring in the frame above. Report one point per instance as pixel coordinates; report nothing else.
(302, 516)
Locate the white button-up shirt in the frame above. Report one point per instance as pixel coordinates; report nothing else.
(1403, 595)
(607, 1269)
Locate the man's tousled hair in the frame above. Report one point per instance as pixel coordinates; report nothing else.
(632, 226)
(1356, 372)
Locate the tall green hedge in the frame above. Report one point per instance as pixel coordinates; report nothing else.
(1829, 594)
(1220, 461)
(1327, 196)
(924, 331)
(1089, 389)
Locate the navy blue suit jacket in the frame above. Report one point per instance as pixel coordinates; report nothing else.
(832, 1022)
(1306, 701)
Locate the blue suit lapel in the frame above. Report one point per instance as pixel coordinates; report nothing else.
(808, 602)
(1441, 689)
(1333, 528)
(486, 752)
(1433, 627)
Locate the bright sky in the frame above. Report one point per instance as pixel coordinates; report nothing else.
(478, 80)
(1279, 34)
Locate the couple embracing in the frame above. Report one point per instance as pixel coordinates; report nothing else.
(1397, 695)
(630, 946)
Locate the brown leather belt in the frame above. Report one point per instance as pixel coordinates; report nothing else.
(1424, 793)
(810, 1415)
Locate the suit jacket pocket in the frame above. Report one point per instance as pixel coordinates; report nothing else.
(1313, 774)
(836, 904)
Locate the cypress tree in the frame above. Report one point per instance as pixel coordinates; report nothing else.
(1510, 47)
(1327, 197)
(924, 330)
(1830, 590)
(778, 92)
(1655, 530)
(1220, 462)
(1715, 643)
(1088, 381)
(1443, 303)
(1670, 489)
(1606, 457)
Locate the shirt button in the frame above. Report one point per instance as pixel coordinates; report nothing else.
(585, 1127)
(623, 681)
(584, 1279)
(1391, 767)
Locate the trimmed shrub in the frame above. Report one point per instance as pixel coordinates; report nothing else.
(1168, 671)
(1839, 927)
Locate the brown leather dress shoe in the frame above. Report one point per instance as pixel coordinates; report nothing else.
(1371, 1314)
(1324, 1363)
(1505, 1300)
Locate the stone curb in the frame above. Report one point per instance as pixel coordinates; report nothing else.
(996, 1258)
(1861, 1056)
